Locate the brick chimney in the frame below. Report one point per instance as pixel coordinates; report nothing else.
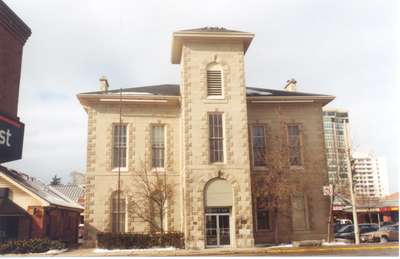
(291, 85)
(103, 84)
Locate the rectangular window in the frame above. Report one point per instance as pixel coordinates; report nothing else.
(119, 145)
(299, 213)
(262, 214)
(216, 137)
(158, 146)
(118, 214)
(258, 142)
(294, 145)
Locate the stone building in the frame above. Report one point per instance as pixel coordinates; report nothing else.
(211, 137)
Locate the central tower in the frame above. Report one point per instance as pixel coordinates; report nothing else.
(216, 186)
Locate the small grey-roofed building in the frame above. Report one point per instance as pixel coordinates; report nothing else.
(31, 209)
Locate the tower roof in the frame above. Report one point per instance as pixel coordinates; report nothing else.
(210, 29)
(207, 34)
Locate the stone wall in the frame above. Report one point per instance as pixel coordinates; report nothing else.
(197, 169)
(102, 179)
(306, 180)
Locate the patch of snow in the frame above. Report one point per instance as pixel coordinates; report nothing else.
(101, 250)
(259, 92)
(335, 243)
(55, 251)
(281, 246)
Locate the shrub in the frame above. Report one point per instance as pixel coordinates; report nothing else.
(135, 240)
(30, 246)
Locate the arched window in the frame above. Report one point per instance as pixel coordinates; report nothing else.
(118, 213)
(214, 80)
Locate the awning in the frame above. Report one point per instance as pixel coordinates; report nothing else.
(9, 208)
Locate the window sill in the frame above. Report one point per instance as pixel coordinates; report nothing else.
(217, 163)
(122, 169)
(215, 100)
(158, 169)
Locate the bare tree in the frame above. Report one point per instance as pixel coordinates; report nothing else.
(273, 187)
(149, 199)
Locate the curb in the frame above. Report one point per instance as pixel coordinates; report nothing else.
(329, 249)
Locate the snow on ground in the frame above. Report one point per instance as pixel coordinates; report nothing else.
(55, 251)
(281, 246)
(335, 244)
(323, 244)
(101, 250)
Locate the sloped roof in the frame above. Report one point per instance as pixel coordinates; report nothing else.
(72, 191)
(252, 91)
(47, 193)
(211, 29)
(163, 90)
(173, 90)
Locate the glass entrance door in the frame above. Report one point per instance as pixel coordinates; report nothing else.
(217, 229)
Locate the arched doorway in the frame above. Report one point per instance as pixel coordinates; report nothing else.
(218, 200)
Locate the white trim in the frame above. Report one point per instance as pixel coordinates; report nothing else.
(217, 67)
(217, 228)
(24, 189)
(283, 101)
(135, 100)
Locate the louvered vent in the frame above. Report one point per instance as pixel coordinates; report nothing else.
(214, 83)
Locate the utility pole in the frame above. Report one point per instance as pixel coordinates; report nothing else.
(350, 176)
(119, 163)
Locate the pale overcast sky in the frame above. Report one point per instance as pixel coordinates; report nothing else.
(344, 48)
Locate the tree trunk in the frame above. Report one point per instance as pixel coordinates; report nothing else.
(161, 222)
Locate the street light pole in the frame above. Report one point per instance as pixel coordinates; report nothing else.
(352, 196)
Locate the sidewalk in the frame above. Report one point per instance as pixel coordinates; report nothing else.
(256, 251)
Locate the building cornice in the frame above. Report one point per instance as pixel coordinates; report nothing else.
(87, 99)
(324, 99)
(11, 22)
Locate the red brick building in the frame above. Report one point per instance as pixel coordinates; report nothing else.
(13, 35)
(31, 209)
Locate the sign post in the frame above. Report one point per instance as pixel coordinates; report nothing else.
(328, 191)
(11, 139)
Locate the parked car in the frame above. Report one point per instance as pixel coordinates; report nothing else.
(343, 221)
(347, 232)
(383, 235)
(338, 226)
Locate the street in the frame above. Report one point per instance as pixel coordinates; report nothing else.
(388, 249)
